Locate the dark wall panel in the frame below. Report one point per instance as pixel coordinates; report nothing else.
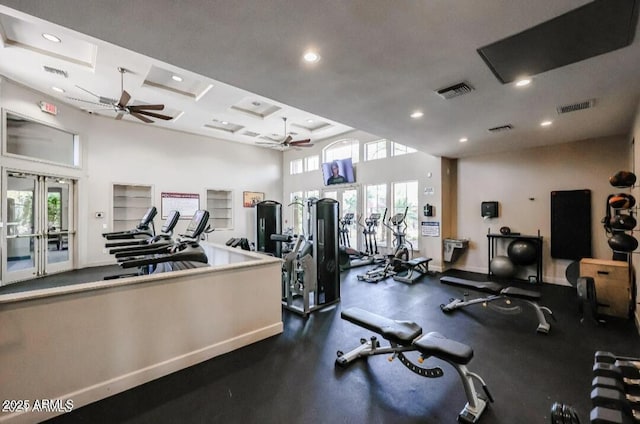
(571, 224)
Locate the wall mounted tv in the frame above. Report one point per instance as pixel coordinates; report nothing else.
(339, 171)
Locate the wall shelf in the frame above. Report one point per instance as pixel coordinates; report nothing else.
(220, 207)
(130, 202)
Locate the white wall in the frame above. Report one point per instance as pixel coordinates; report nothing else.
(410, 167)
(513, 178)
(132, 153)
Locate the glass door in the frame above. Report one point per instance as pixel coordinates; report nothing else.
(349, 202)
(38, 216)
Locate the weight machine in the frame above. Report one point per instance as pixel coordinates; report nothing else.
(310, 272)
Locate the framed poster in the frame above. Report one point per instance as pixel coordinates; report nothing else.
(185, 203)
(250, 198)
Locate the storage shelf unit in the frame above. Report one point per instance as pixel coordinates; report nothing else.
(220, 207)
(493, 250)
(130, 202)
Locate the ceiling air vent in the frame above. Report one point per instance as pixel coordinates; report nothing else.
(501, 128)
(56, 71)
(250, 133)
(455, 90)
(587, 104)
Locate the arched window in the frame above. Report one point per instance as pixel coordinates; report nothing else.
(342, 149)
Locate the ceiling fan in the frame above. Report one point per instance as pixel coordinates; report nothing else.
(287, 141)
(120, 106)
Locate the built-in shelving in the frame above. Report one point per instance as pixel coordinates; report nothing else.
(130, 202)
(220, 207)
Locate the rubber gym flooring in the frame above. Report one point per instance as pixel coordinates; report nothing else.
(291, 378)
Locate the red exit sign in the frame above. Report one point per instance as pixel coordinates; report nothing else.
(49, 108)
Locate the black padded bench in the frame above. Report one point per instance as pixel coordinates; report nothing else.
(406, 336)
(497, 292)
(416, 268)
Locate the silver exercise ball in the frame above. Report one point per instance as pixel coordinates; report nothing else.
(502, 266)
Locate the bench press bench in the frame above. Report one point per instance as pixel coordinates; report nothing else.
(406, 336)
(498, 292)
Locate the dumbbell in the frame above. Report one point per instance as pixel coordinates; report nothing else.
(625, 363)
(611, 370)
(617, 400)
(563, 414)
(616, 383)
(600, 415)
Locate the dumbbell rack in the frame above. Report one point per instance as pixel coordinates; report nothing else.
(615, 394)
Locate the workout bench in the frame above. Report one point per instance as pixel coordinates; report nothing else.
(415, 269)
(498, 292)
(406, 336)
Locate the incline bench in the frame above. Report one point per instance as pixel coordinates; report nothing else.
(497, 292)
(406, 336)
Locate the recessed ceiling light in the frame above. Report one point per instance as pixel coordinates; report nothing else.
(51, 37)
(545, 123)
(58, 89)
(176, 78)
(311, 57)
(309, 121)
(417, 114)
(463, 140)
(224, 123)
(523, 82)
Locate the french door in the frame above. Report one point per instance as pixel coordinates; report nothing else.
(349, 202)
(38, 235)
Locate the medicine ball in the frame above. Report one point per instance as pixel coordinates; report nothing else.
(622, 201)
(501, 266)
(622, 222)
(623, 179)
(505, 231)
(522, 252)
(622, 242)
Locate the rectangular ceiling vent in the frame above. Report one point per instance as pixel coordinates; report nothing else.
(250, 133)
(56, 71)
(455, 90)
(501, 128)
(587, 104)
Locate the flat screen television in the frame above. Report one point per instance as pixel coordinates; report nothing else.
(339, 171)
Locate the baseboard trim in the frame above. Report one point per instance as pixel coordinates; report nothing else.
(130, 380)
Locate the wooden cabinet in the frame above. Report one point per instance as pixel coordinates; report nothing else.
(613, 285)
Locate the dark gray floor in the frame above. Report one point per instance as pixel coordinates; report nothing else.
(291, 378)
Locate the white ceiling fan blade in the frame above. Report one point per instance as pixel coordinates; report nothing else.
(87, 101)
(287, 139)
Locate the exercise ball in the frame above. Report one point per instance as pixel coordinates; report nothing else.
(501, 266)
(522, 252)
(621, 201)
(622, 222)
(623, 179)
(623, 242)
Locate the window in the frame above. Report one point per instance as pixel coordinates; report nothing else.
(295, 166)
(405, 195)
(311, 193)
(342, 149)
(311, 163)
(398, 149)
(376, 202)
(31, 139)
(296, 209)
(375, 150)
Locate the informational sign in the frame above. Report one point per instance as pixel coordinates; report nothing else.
(430, 228)
(185, 203)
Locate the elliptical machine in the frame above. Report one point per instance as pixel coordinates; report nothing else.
(395, 262)
(348, 257)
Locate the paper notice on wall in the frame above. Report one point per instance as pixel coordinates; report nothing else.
(430, 228)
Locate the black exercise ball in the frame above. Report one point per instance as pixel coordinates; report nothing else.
(622, 242)
(622, 222)
(502, 267)
(623, 179)
(522, 252)
(622, 201)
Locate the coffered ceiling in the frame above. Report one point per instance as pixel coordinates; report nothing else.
(380, 61)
